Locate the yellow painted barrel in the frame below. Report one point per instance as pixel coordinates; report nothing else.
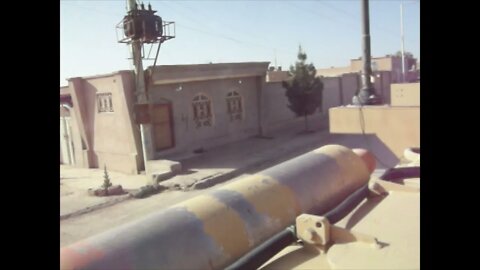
(211, 231)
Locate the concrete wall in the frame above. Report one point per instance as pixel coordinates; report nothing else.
(278, 114)
(406, 94)
(333, 71)
(81, 159)
(332, 93)
(397, 127)
(187, 136)
(340, 90)
(277, 76)
(108, 137)
(382, 85)
(350, 85)
(381, 63)
(276, 105)
(167, 74)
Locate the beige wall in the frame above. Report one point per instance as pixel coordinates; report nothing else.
(350, 85)
(187, 136)
(277, 76)
(397, 127)
(333, 71)
(382, 85)
(332, 94)
(406, 94)
(276, 105)
(168, 74)
(382, 63)
(109, 136)
(215, 81)
(356, 65)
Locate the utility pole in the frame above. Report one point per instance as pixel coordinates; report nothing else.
(403, 42)
(140, 91)
(366, 95)
(141, 26)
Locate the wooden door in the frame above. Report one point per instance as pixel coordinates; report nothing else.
(162, 126)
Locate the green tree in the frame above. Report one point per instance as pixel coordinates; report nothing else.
(304, 90)
(106, 180)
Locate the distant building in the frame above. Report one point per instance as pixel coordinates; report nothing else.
(277, 75)
(390, 63)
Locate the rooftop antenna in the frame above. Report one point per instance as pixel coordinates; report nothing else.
(275, 53)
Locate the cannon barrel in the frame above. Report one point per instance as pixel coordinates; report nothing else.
(214, 229)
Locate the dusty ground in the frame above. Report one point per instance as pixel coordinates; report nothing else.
(83, 226)
(287, 145)
(74, 183)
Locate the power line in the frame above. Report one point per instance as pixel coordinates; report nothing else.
(249, 35)
(236, 30)
(320, 14)
(109, 12)
(356, 18)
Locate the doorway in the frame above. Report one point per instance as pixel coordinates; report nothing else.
(66, 143)
(162, 123)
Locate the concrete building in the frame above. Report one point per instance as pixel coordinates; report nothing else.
(100, 119)
(193, 107)
(389, 63)
(198, 106)
(277, 75)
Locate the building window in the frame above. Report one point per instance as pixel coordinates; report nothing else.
(234, 106)
(104, 102)
(202, 111)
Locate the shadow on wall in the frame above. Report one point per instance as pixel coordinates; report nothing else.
(91, 101)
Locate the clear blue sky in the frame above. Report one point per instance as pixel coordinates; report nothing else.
(235, 31)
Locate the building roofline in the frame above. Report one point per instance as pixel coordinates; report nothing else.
(208, 65)
(101, 75)
(169, 74)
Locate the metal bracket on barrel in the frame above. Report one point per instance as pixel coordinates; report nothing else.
(318, 232)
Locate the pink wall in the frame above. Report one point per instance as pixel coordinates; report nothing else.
(109, 136)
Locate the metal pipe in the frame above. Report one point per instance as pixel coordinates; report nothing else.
(212, 230)
(265, 251)
(366, 95)
(367, 62)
